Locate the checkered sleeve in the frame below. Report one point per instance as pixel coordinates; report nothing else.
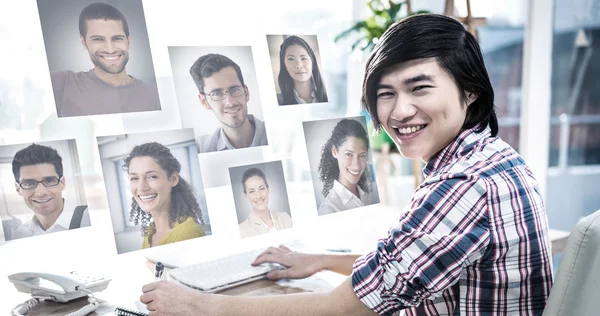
(445, 229)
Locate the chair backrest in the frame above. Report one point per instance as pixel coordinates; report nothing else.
(576, 289)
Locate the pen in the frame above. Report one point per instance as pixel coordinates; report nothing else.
(339, 250)
(158, 271)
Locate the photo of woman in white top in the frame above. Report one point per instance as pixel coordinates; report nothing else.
(261, 219)
(343, 168)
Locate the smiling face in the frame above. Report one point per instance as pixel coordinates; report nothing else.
(298, 63)
(107, 45)
(352, 160)
(419, 105)
(43, 201)
(257, 193)
(150, 185)
(231, 111)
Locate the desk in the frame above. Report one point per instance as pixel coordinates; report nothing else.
(256, 288)
(130, 271)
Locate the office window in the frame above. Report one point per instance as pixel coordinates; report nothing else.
(575, 107)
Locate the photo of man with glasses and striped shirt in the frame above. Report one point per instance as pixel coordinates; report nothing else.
(223, 91)
(39, 179)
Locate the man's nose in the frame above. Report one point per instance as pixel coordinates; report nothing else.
(40, 189)
(229, 99)
(404, 109)
(109, 46)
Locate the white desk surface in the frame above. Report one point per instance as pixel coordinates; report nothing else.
(358, 230)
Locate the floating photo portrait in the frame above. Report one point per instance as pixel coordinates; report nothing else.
(297, 69)
(341, 164)
(99, 57)
(42, 189)
(217, 93)
(154, 188)
(261, 198)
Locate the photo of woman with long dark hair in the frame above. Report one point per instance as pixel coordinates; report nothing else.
(163, 204)
(343, 168)
(299, 78)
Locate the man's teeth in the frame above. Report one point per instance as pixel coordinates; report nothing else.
(410, 130)
(232, 110)
(147, 197)
(111, 57)
(41, 201)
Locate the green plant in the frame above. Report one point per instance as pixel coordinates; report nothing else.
(382, 15)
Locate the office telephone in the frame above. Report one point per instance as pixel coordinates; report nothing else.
(57, 287)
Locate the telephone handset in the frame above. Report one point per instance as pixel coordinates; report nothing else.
(57, 287)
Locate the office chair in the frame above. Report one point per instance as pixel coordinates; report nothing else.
(576, 289)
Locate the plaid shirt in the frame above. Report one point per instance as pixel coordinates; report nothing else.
(474, 240)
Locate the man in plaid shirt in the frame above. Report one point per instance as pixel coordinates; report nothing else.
(474, 240)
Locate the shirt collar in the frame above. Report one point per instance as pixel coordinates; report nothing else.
(461, 145)
(63, 222)
(345, 194)
(259, 127)
(255, 219)
(301, 101)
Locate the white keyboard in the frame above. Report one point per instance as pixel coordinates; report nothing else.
(218, 275)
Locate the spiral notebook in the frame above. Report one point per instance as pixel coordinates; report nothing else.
(122, 311)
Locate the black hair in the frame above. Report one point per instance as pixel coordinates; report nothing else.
(252, 172)
(35, 154)
(456, 51)
(100, 11)
(328, 166)
(286, 83)
(207, 65)
(183, 200)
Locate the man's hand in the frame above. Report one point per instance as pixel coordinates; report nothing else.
(299, 265)
(166, 298)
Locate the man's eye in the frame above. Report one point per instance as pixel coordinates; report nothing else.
(217, 94)
(420, 88)
(385, 95)
(133, 179)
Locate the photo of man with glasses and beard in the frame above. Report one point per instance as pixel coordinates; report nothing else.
(107, 88)
(221, 89)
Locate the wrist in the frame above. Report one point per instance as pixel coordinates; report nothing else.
(326, 262)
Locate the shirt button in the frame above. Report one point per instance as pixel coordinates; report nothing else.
(418, 282)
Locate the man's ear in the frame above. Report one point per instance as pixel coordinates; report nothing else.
(247, 93)
(203, 101)
(174, 179)
(83, 41)
(334, 152)
(471, 97)
(18, 188)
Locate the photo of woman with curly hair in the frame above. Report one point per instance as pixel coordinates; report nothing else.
(299, 78)
(343, 169)
(163, 203)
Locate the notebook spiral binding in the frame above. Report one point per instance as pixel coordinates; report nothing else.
(122, 311)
